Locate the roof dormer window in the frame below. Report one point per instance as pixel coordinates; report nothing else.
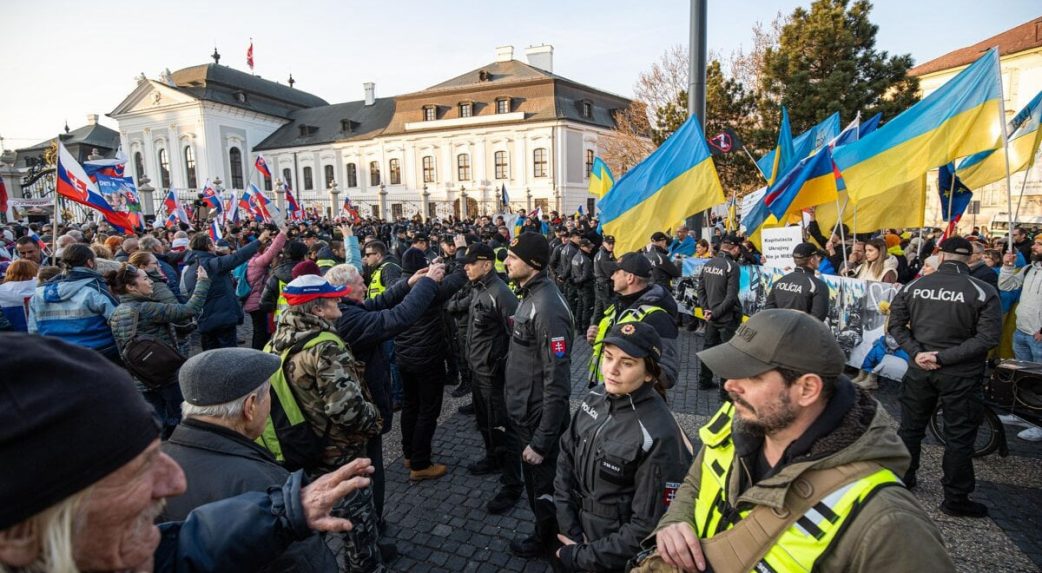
(466, 109)
(430, 113)
(503, 105)
(586, 108)
(240, 96)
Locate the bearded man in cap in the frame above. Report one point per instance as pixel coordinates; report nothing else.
(718, 296)
(97, 512)
(327, 383)
(800, 289)
(226, 407)
(947, 322)
(538, 383)
(800, 468)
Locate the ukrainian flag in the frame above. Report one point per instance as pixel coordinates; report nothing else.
(601, 180)
(987, 167)
(959, 119)
(784, 155)
(804, 144)
(902, 208)
(676, 180)
(811, 182)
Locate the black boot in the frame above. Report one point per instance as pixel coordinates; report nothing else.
(483, 467)
(461, 390)
(963, 506)
(528, 548)
(504, 501)
(467, 409)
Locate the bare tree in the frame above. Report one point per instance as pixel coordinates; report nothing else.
(629, 143)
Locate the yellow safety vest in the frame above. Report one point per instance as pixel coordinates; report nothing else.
(606, 324)
(376, 285)
(501, 267)
(326, 263)
(282, 304)
(808, 538)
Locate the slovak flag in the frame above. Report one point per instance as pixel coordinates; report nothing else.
(246, 206)
(249, 55)
(259, 202)
(215, 231)
(262, 165)
(351, 211)
(210, 197)
(39, 242)
(295, 212)
(73, 184)
(174, 209)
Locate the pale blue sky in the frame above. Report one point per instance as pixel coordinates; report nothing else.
(65, 59)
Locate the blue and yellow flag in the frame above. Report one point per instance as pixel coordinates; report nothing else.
(601, 180)
(811, 182)
(961, 118)
(677, 180)
(804, 144)
(784, 155)
(987, 167)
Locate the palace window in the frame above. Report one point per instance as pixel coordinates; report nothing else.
(428, 169)
(466, 109)
(501, 164)
(164, 168)
(287, 177)
(139, 166)
(430, 113)
(235, 165)
(395, 169)
(539, 162)
(329, 175)
(374, 173)
(352, 175)
(463, 167)
(190, 167)
(309, 180)
(503, 105)
(589, 162)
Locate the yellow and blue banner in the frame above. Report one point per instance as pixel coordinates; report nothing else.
(675, 181)
(784, 154)
(987, 167)
(961, 118)
(803, 144)
(601, 180)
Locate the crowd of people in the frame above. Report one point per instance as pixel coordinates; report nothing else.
(268, 449)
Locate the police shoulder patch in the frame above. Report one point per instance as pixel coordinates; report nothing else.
(559, 346)
(669, 492)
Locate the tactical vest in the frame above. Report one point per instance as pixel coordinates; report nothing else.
(326, 263)
(287, 425)
(809, 538)
(376, 284)
(629, 315)
(501, 266)
(282, 304)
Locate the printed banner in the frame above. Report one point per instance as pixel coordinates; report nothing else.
(858, 311)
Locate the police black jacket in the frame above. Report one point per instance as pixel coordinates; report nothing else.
(424, 343)
(800, 290)
(220, 463)
(538, 370)
(603, 264)
(951, 312)
(564, 262)
(718, 289)
(663, 270)
(621, 460)
(270, 295)
(488, 331)
(582, 267)
(664, 323)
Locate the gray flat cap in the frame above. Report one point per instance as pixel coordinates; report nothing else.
(222, 375)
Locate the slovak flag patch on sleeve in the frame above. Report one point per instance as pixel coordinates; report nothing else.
(558, 346)
(669, 492)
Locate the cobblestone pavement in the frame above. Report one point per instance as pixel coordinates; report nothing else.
(442, 525)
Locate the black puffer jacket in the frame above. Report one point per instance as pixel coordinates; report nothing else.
(270, 297)
(425, 343)
(488, 330)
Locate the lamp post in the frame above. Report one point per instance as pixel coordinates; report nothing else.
(426, 203)
(146, 190)
(334, 192)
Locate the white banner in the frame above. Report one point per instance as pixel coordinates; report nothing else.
(778, 245)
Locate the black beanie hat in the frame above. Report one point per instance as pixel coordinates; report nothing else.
(413, 260)
(532, 248)
(70, 418)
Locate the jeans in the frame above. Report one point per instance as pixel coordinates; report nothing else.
(223, 337)
(1025, 347)
(421, 406)
(396, 377)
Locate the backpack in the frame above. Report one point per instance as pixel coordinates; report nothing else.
(153, 362)
(242, 286)
(287, 433)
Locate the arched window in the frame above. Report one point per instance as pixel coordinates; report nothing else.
(501, 164)
(235, 166)
(267, 183)
(395, 167)
(287, 177)
(374, 173)
(164, 169)
(463, 167)
(190, 167)
(329, 175)
(539, 162)
(352, 175)
(309, 181)
(139, 166)
(428, 169)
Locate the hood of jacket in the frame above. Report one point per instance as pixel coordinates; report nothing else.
(295, 326)
(64, 286)
(865, 433)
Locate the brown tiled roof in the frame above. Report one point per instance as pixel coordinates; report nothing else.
(1023, 37)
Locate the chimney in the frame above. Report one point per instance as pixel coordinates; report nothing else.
(504, 53)
(92, 119)
(370, 93)
(541, 56)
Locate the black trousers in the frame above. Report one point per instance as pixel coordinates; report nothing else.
(261, 336)
(584, 305)
(421, 405)
(962, 399)
(601, 299)
(571, 296)
(716, 333)
(223, 337)
(501, 439)
(539, 487)
(374, 450)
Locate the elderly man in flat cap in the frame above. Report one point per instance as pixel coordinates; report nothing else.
(227, 402)
(83, 478)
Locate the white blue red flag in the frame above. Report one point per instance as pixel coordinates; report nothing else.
(39, 242)
(350, 210)
(262, 165)
(261, 205)
(211, 198)
(174, 209)
(295, 212)
(215, 231)
(73, 183)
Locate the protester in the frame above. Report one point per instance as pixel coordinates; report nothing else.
(1027, 338)
(878, 265)
(28, 249)
(683, 244)
(607, 503)
(18, 287)
(272, 300)
(257, 269)
(97, 514)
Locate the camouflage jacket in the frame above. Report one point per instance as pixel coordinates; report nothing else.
(327, 384)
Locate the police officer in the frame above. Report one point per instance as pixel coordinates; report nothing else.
(800, 289)
(538, 382)
(603, 267)
(556, 244)
(582, 282)
(637, 300)
(718, 295)
(622, 457)
(488, 338)
(383, 272)
(663, 269)
(947, 322)
(564, 269)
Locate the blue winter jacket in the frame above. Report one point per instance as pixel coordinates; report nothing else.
(75, 306)
(241, 533)
(222, 308)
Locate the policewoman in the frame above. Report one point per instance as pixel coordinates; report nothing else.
(622, 457)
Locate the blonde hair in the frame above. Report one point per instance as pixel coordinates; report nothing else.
(53, 530)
